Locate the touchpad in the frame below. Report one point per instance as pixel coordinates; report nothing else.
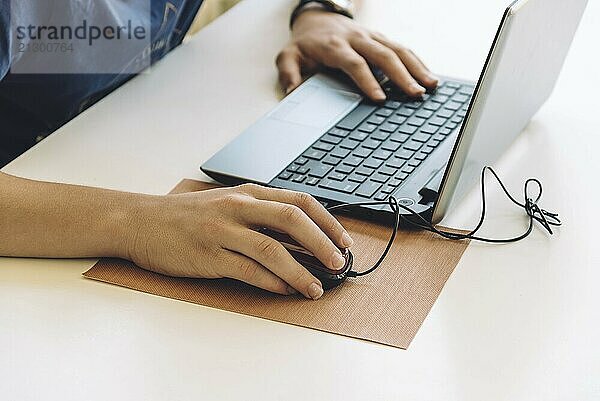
(314, 106)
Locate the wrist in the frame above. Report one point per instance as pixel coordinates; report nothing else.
(340, 7)
(129, 217)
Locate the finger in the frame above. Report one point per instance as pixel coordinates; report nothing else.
(389, 62)
(414, 65)
(313, 208)
(356, 67)
(251, 272)
(289, 66)
(273, 256)
(292, 220)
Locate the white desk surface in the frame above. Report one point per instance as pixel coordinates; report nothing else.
(515, 322)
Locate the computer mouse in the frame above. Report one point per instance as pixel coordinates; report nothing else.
(329, 278)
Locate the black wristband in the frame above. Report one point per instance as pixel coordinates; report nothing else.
(327, 6)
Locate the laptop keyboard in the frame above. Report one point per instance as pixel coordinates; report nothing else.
(374, 149)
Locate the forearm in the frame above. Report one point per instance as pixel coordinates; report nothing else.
(39, 219)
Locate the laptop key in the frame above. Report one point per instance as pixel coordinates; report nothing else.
(408, 169)
(395, 162)
(387, 170)
(340, 152)
(404, 154)
(362, 152)
(388, 189)
(366, 127)
(371, 144)
(319, 170)
(407, 129)
(312, 181)
(356, 116)
(342, 133)
(413, 105)
(344, 169)
(452, 106)
(357, 178)
(353, 161)
(366, 171)
(440, 99)
(437, 121)
(384, 112)
(429, 129)
(387, 127)
(337, 176)
(368, 189)
(422, 155)
(359, 136)
(301, 161)
(405, 112)
(341, 186)
(382, 154)
(424, 114)
(286, 175)
(381, 178)
(380, 135)
(326, 147)
(331, 139)
(412, 145)
(397, 120)
(444, 113)
(334, 161)
(391, 146)
(314, 154)
(376, 119)
(293, 168)
(433, 106)
(414, 163)
(460, 98)
(446, 91)
(416, 121)
(373, 163)
(303, 170)
(381, 196)
(421, 137)
(399, 137)
(394, 182)
(428, 149)
(299, 178)
(349, 144)
(445, 131)
(392, 104)
(402, 176)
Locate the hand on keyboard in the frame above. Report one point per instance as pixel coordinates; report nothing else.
(326, 39)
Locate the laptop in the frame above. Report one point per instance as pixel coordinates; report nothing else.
(326, 139)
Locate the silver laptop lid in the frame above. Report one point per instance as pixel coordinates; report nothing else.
(519, 74)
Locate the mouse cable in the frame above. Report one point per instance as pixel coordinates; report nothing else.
(545, 218)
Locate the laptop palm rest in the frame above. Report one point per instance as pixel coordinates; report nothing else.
(278, 138)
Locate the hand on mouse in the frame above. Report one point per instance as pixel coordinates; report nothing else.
(211, 234)
(322, 38)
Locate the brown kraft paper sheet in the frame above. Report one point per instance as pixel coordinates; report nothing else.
(387, 306)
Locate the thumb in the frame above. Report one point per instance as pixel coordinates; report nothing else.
(288, 64)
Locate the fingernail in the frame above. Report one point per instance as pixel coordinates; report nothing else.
(434, 78)
(417, 88)
(379, 94)
(338, 260)
(315, 291)
(347, 241)
(291, 290)
(288, 90)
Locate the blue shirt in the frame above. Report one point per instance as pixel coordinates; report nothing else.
(34, 105)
